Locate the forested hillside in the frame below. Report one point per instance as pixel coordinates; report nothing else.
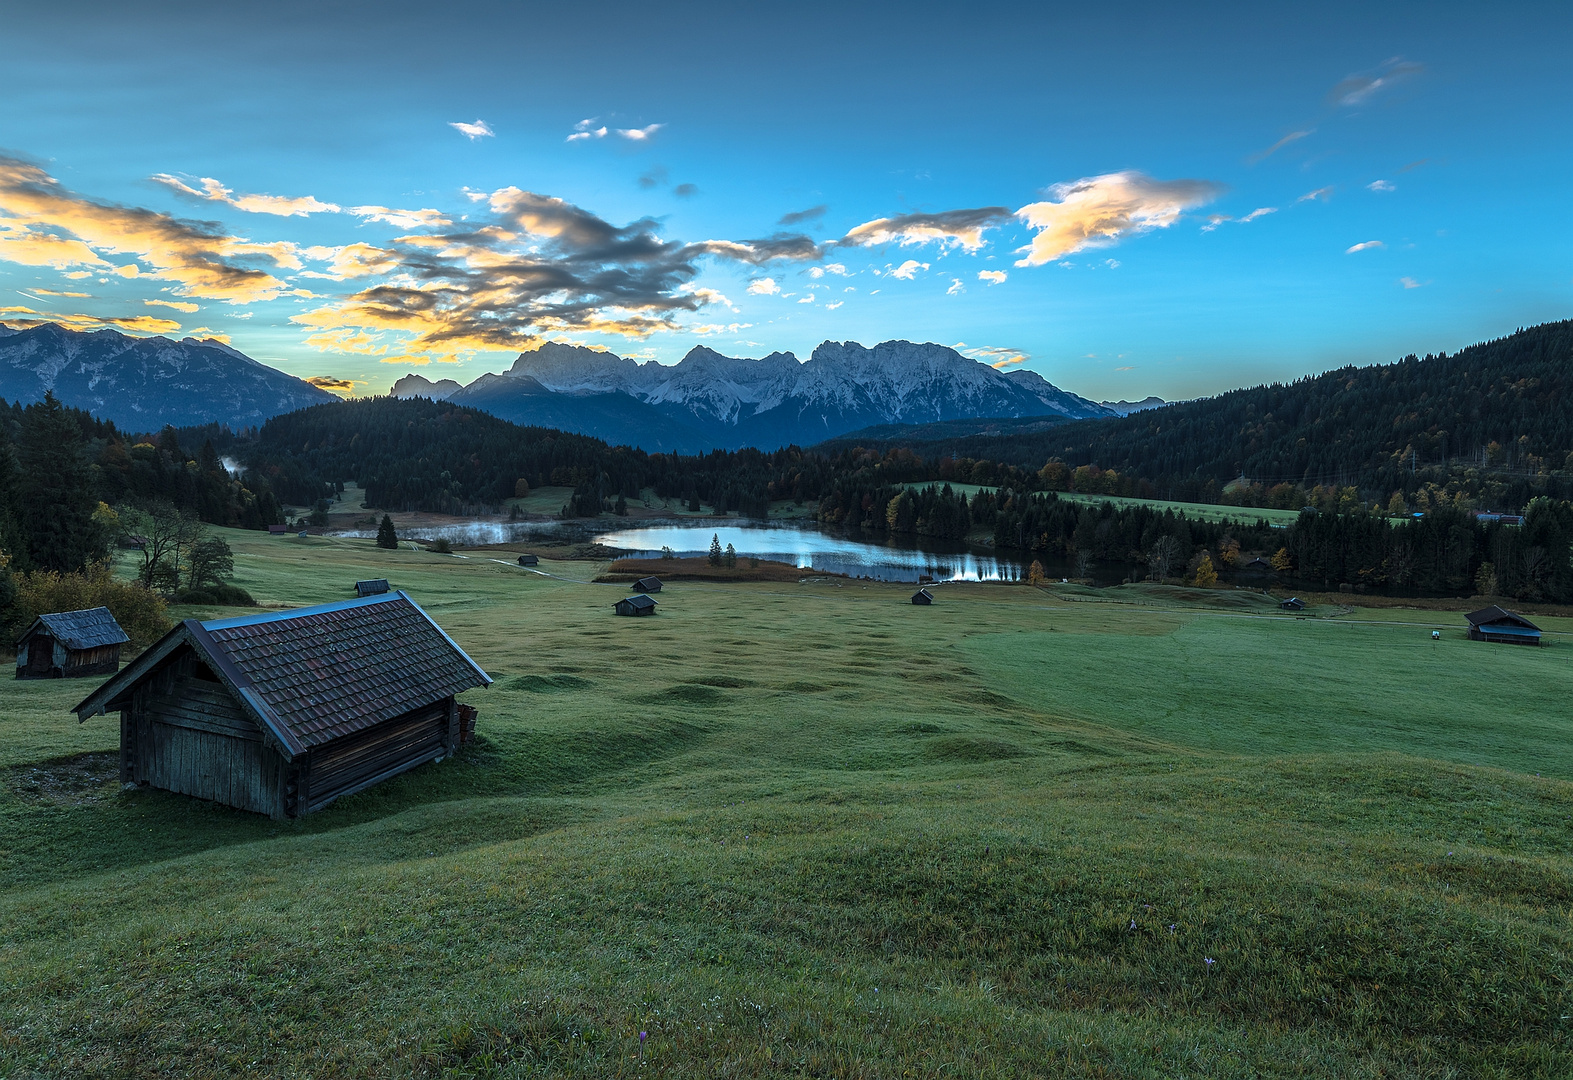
(1494, 420)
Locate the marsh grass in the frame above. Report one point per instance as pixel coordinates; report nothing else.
(813, 830)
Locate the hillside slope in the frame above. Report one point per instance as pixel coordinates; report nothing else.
(1361, 426)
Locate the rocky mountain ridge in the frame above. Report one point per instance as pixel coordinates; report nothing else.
(709, 400)
(141, 384)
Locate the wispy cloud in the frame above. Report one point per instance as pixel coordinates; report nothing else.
(838, 269)
(798, 217)
(279, 205)
(1215, 220)
(832, 307)
(52, 292)
(178, 305)
(653, 177)
(403, 219)
(993, 277)
(907, 270)
(478, 130)
(1364, 245)
(1358, 89)
(640, 134)
(763, 287)
(1099, 210)
(955, 287)
(44, 224)
(1381, 185)
(587, 129)
(1411, 283)
(997, 357)
(960, 228)
(686, 191)
(1293, 136)
(1321, 194)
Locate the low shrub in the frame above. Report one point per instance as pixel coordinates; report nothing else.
(140, 612)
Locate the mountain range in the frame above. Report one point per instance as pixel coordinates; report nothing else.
(709, 401)
(141, 384)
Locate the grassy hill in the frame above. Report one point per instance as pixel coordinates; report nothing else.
(811, 829)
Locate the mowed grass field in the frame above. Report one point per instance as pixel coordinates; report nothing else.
(792, 829)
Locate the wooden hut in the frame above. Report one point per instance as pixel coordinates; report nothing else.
(282, 713)
(923, 596)
(647, 585)
(372, 587)
(638, 604)
(70, 643)
(1294, 603)
(529, 560)
(277, 530)
(1500, 625)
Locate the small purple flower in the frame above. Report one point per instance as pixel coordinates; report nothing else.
(1209, 961)
(642, 1034)
(1133, 924)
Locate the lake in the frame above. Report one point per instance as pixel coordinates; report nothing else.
(802, 544)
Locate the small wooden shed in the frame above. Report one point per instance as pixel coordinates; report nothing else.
(1500, 625)
(647, 585)
(66, 644)
(638, 604)
(284, 712)
(923, 596)
(278, 530)
(1294, 603)
(529, 560)
(372, 587)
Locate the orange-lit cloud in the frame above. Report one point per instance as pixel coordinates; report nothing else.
(278, 205)
(139, 324)
(333, 385)
(1099, 210)
(178, 305)
(42, 223)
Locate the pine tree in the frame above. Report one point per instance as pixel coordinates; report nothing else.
(57, 492)
(386, 537)
(729, 560)
(715, 549)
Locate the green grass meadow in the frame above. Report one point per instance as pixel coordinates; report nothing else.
(813, 830)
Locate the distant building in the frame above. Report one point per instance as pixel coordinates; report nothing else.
(923, 596)
(529, 560)
(284, 712)
(1506, 519)
(1257, 566)
(1500, 625)
(66, 644)
(647, 584)
(371, 587)
(277, 530)
(639, 604)
(1294, 603)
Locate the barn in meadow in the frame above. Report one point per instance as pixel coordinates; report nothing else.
(529, 560)
(647, 585)
(1498, 624)
(923, 597)
(371, 587)
(282, 713)
(65, 644)
(638, 604)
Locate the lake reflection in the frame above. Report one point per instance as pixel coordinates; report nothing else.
(809, 547)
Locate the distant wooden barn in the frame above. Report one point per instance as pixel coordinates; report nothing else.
(1500, 625)
(278, 530)
(284, 712)
(1294, 603)
(66, 644)
(647, 585)
(372, 587)
(923, 596)
(1257, 566)
(639, 604)
(529, 560)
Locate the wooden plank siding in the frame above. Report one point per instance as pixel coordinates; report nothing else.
(355, 762)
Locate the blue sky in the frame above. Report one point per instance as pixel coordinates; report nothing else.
(1148, 202)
